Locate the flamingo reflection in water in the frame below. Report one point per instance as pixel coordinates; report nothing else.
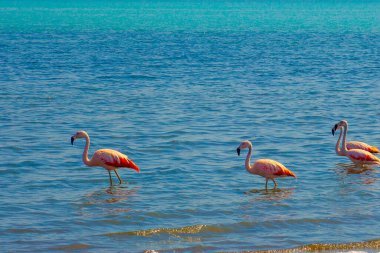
(275, 194)
(356, 174)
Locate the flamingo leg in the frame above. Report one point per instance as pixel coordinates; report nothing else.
(117, 174)
(275, 184)
(109, 173)
(266, 184)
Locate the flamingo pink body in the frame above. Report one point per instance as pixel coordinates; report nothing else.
(109, 159)
(270, 169)
(112, 159)
(356, 155)
(363, 146)
(267, 168)
(360, 156)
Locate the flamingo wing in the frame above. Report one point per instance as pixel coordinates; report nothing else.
(115, 159)
(362, 145)
(271, 169)
(362, 156)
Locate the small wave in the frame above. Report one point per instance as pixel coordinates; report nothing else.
(201, 228)
(331, 247)
(175, 231)
(23, 230)
(71, 247)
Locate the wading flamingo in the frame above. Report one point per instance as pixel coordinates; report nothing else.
(106, 158)
(267, 168)
(351, 144)
(358, 156)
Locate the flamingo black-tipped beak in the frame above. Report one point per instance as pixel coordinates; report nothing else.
(72, 140)
(334, 129)
(238, 151)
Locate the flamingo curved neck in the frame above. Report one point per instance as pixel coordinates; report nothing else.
(337, 146)
(344, 147)
(248, 159)
(85, 152)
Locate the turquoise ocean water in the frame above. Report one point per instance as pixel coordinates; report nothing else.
(176, 86)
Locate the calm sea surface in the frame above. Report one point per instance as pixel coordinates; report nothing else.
(176, 87)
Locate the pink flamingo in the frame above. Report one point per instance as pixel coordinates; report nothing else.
(358, 156)
(267, 168)
(106, 158)
(351, 144)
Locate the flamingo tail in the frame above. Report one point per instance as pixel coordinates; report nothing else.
(132, 165)
(374, 150)
(126, 163)
(290, 174)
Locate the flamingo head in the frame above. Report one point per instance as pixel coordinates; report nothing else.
(243, 145)
(78, 135)
(339, 125)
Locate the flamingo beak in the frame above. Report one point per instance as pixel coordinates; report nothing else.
(334, 129)
(72, 140)
(238, 151)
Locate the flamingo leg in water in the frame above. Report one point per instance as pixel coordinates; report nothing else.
(275, 184)
(266, 184)
(117, 174)
(109, 173)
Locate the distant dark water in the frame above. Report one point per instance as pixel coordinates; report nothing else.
(177, 93)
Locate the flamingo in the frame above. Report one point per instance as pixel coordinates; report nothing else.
(270, 169)
(106, 158)
(351, 144)
(356, 155)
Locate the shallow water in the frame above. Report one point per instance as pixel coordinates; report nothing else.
(177, 93)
